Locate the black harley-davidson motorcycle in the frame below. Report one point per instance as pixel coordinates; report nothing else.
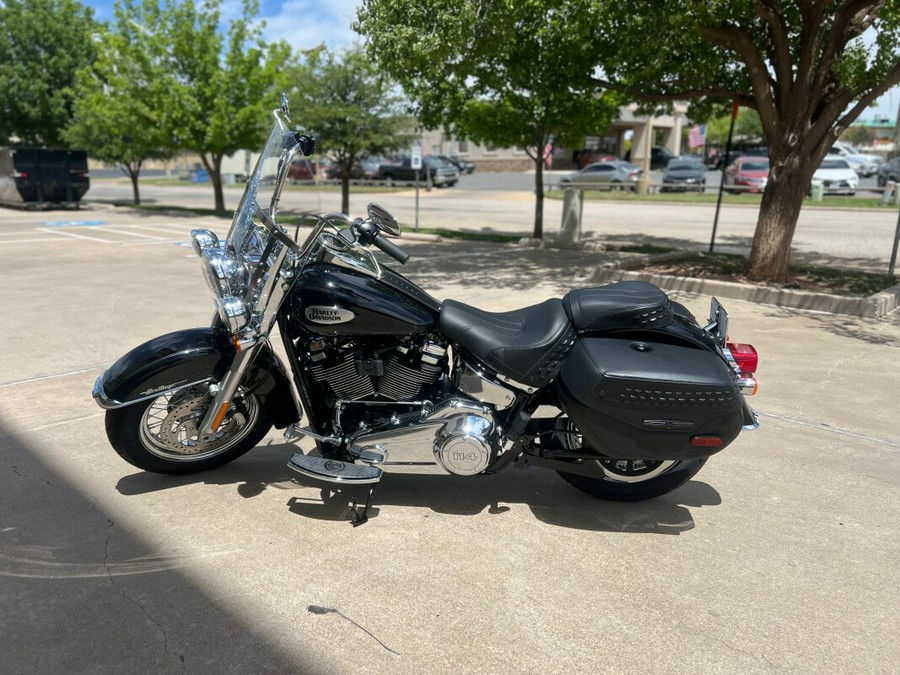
(617, 388)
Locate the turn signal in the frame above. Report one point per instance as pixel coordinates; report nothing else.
(745, 356)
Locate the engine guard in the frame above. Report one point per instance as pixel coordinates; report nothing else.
(185, 358)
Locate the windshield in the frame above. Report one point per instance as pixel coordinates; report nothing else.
(834, 164)
(756, 165)
(683, 165)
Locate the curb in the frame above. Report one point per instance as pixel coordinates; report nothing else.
(873, 307)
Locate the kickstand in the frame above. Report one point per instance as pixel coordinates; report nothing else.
(363, 517)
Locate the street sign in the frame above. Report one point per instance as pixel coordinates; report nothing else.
(416, 156)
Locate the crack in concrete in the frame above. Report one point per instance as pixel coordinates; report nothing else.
(823, 426)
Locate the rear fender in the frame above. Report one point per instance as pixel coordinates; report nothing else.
(189, 357)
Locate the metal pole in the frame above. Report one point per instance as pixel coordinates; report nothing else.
(417, 199)
(734, 112)
(896, 243)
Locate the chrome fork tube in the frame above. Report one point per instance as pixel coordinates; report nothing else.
(225, 393)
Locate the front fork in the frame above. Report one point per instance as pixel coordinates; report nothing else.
(224, 391)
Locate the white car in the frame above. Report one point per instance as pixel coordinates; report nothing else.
(861, 163)
(837, 176)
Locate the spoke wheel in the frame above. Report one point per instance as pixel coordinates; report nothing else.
(623, 479)
(161, 435)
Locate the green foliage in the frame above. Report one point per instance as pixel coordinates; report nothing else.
(227, 85)
(121, 101)
(351, 107)
(803, 66)
(43, 43)
(511, 72)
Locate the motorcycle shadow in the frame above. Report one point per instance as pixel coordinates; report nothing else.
(546, 495)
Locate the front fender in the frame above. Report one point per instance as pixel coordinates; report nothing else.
(188, 357)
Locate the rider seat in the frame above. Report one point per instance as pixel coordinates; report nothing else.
(527, 345)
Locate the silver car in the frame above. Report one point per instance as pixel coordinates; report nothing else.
(612, 175)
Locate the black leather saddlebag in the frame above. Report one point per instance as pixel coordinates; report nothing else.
(648, 400)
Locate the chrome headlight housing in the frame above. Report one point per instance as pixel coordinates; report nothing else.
(233, 312)
(202, 239)
(224, 274)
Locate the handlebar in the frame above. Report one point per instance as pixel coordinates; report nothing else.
(389, 247)
(369, 233)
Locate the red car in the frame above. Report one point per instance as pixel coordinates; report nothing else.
(747, 174)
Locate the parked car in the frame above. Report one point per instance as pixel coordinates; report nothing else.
(301, 170)
(463, 165)
(864, 164)
(837, 176)
(659, 157)
(889, 171)
(747, 174)
(366, 169)
(401, 171)
(684, 173)
(612, 175)
(33, 177)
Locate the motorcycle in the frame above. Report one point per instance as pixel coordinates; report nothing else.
(617, 388)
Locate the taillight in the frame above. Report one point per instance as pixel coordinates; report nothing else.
(19, 174)
(745, 357)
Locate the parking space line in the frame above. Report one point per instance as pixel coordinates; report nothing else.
(65, 233)
(132, 234)
(45, 240)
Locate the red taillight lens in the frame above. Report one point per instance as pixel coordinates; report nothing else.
(745, 356)
(706, 441)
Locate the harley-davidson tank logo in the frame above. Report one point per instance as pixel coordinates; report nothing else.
(320, 314)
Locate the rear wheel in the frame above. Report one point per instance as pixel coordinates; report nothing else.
(623, 480)
(160, 435)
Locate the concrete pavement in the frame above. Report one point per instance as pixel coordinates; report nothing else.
(781, 555)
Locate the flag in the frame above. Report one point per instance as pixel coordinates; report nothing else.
(548, 153)
(697, 136)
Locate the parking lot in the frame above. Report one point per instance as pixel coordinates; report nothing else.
(780, 556)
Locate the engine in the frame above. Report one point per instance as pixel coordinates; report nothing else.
(349, 371)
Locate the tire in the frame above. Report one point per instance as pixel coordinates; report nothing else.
(151, 435)
(628, 480)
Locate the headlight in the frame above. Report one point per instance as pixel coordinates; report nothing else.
(224, 275)
(203, 239)
(233, 313)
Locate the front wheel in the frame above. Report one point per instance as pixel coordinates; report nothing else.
(160, 435)
(624, 480)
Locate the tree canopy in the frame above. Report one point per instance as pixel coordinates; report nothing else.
(352, 108)
(511, 72)
(808, 68)
(227, 84)
(43, 43)
(121, 101)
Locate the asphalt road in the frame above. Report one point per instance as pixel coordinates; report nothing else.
(859, 238)
(779, 556)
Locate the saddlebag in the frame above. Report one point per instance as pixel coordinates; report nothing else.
(634, 399)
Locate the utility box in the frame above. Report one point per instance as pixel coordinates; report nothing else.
(39, 177)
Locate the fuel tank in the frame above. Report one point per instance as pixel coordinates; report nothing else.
(332, 300)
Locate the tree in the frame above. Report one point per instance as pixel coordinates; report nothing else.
(511, 72)
(352, 108)
(803, 66)
(121, 111)
(227, 84)
(43, 43)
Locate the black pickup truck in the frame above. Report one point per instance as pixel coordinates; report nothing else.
(401, 171)
(41, 177)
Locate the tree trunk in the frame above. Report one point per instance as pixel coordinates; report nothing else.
(214, 169)
(539, 196)
(134, 174)
(345, 189)
(789, 181)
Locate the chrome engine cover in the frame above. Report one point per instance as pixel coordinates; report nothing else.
(456, 436)
(463, 444)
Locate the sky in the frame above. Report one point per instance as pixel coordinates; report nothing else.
(304, 24)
